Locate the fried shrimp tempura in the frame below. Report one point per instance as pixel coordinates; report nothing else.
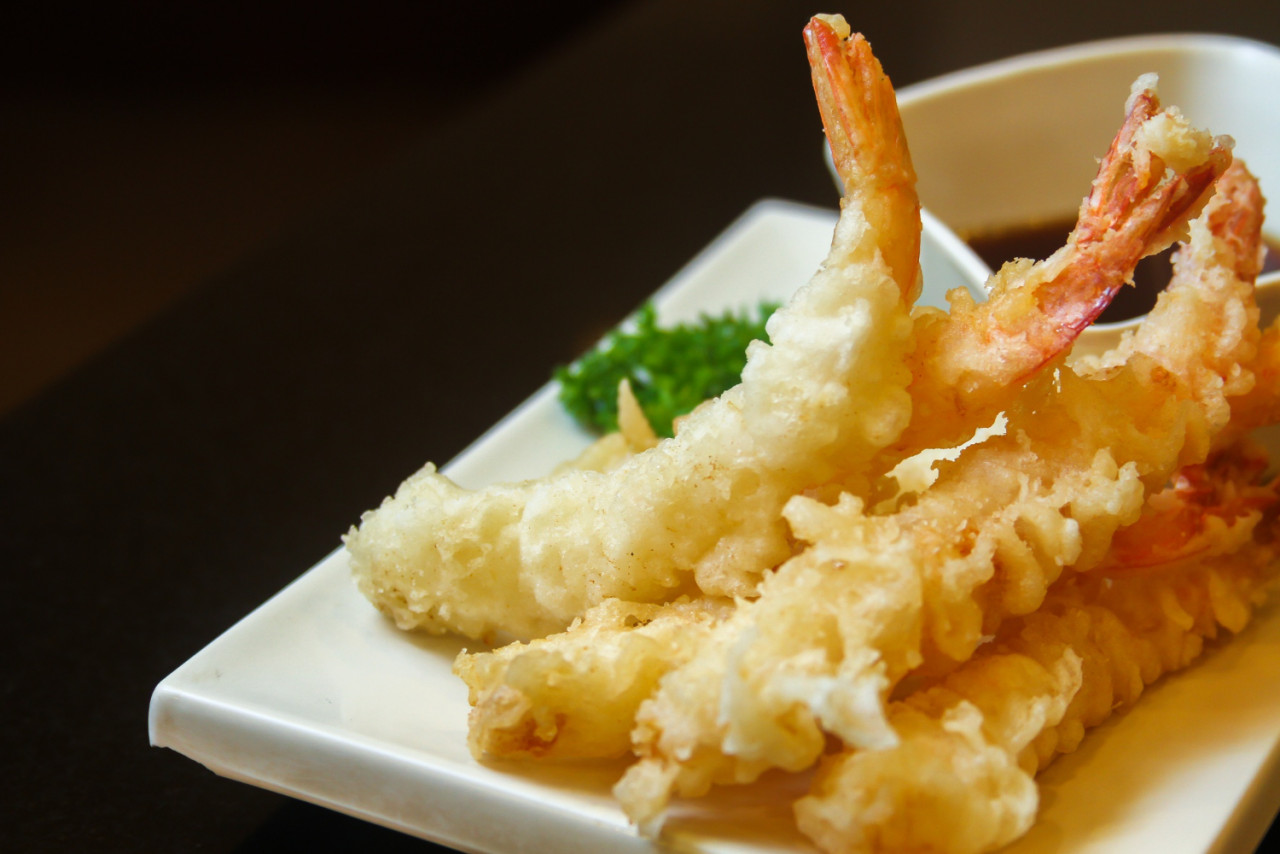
(1157, 175)
(953, 781)
(1077, 460)
(575, 695)
(700, 511)
(1082, 448)
(960, 778)
(1122, 219)
(1132, 419)
(755, 594)
(1260, 406)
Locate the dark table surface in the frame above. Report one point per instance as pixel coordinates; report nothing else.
(164, 490)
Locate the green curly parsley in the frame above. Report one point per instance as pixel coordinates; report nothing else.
(671, 370)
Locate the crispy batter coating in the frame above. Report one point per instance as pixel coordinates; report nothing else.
(952, 782)
(700, 511)
(960, 778)
(815, 570)
(574, 695)
(832, 631)
(1077, 460)
(1157, 175)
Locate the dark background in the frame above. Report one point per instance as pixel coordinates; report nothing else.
(261, 261)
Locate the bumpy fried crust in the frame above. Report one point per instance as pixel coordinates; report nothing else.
(961, 777)
(700, 511)
(816, 653)
(1260, 406)
(953, 782)
(967, 363)
(1206, 330)
(574, 695)
(952, 638)
(1079, 456)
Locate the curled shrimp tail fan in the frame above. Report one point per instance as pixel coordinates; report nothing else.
(1156, 177)
(859, 110)
(854, 93)
(1136, 193)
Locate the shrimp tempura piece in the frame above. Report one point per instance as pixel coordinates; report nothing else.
(960, 778)
(574, 695)
(1077, 459)
(1156, 177)
(701, 511)
(1156, 207)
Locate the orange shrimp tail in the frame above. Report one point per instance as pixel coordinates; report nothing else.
(1135, 208)
(1131, 194)
(858, 105)
(868, 145)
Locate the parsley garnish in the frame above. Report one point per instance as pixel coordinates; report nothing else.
(671, 370)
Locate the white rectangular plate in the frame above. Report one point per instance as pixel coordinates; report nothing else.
(316, 696)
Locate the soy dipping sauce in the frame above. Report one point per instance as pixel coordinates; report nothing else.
(1042, 240)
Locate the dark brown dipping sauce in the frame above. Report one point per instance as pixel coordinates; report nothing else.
(1040, 241)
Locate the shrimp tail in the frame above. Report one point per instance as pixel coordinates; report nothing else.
(859, 112)
(1157, 175)
(1133, 192)
(1140, 204)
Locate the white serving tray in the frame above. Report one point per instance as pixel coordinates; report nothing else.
(317, 696)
